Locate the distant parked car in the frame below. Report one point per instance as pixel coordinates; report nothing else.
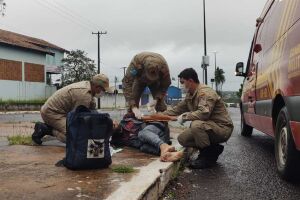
(233, 105)
(57, 83)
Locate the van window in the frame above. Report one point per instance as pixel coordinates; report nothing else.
(249, 57)
(265, 10)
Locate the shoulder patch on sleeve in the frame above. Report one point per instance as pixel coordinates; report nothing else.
(133, 71)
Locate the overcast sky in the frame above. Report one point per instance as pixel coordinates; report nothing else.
(173, 28)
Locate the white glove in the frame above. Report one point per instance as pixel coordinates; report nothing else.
(151, 106)
(180, 119)
(137, 113)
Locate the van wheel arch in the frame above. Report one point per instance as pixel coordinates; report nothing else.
(246, 130)
(278, 104)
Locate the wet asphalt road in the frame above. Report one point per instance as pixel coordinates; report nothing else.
(245, 170)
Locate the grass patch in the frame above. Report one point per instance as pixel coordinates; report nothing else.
(23, 102)
(19, 140)
(123, 169)
(170, 195)
(179, 167)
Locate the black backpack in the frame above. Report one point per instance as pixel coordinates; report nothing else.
(87, 142)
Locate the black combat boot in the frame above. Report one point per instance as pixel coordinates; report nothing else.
(207, 157)
(200, 162)
(213, 152)
(40, 130)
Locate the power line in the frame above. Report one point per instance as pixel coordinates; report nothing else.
(64, 15)
(71, 14)
(76, 14)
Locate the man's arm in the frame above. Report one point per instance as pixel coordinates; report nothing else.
(204, 109)
(180, 108)
(127, 83)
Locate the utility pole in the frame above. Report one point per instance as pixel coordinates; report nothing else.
(205, 59)
(115, 91)
(99, 34)
(2, 7)
(215, 52)
(124, 70)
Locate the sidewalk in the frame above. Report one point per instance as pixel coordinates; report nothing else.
(29, 172)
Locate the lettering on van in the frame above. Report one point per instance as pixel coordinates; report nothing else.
(263, 93)
(294, 62)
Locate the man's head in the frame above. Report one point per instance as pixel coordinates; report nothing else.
(189, 78)
(99, 85)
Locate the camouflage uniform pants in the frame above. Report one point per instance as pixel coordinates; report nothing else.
(57, 122)
(138, 88)
(202, 134)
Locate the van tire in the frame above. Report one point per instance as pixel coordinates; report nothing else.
(286, 154)
(246, 130)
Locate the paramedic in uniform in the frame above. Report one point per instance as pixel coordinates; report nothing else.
(146, 69)
(210, 121)
(56, 108)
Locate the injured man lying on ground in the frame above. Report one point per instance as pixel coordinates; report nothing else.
(148, 136)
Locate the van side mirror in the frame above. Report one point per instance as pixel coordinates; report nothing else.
(239, 69)
(257, 48)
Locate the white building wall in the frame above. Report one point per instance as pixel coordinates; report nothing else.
(21, 90)
(56, 59)
(108, 101)
(24, 55)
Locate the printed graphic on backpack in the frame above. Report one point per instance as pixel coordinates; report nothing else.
(95, 148)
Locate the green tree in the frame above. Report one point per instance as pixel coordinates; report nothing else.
(76, 67)
(219, 79)
(239, 93)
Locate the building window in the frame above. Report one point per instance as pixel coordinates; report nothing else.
(10, 70)
(34, 72)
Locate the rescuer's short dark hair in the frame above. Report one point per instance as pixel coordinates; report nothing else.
(189, 73)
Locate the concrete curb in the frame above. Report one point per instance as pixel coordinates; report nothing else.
(148, 184)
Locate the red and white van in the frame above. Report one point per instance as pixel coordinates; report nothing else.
(270, 99)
